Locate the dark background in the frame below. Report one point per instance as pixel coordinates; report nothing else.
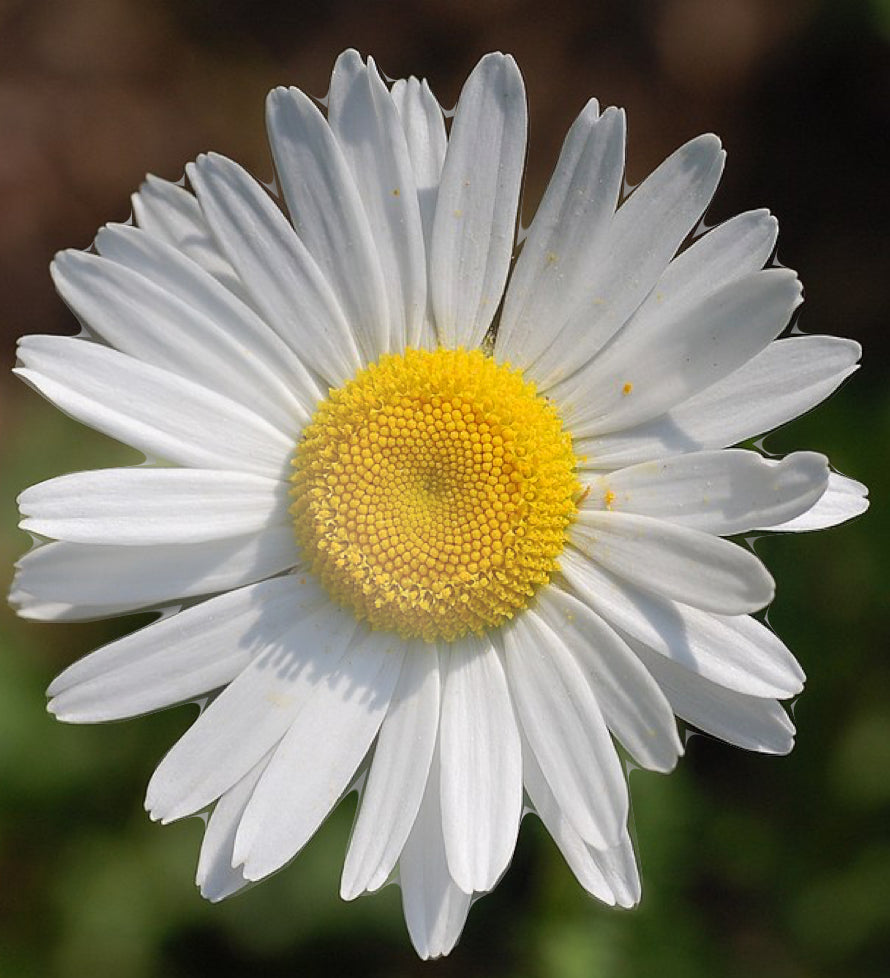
(771, 866)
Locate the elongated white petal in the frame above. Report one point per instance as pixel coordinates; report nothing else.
(328, 214)
(366, 123)
(217, 877)
(562, 721)
(76, 581)
(481, 766)
(148, 506)
(435, 907)
(608, 874)
(567, 238)
(149, 300)
(278, 272)
(633, 706)
(252, 713)
(747, 721)
(736, 651)
(475, 220)
(843, 499)
(318, 757)
(177, 658)
(424, 126)
(723, 492)
(663, 358)
(155, 411)
(644, 235)
(675, 562)
(783, 381)
(731, 250)
(398, 774)
(172, 215)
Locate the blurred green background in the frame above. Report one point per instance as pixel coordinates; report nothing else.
(772, 866)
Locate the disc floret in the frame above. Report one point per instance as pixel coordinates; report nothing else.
(432, 492)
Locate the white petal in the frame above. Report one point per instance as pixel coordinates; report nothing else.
(156, 412)
(328, 214)
(676, 350)
(566, 240)
(398, 774)
(318, 757)
(279, 273)
(737, 651)
(424, 126)
(746, 721)
(481, 765)
(633, 707)
(561, 718)
(146, 506)
(686, 565)
(76, 581)
(172, 215)
(783, 381)
(723, 492)
(217, 877)
(475, 221)
(152, 302)
(734, 249)
(435, 908)
(253, 713)
(644, 235)
(366, 123)
(177, 658)
(608, 874)
(843, 499)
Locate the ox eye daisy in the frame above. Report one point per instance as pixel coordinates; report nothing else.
(426, 513)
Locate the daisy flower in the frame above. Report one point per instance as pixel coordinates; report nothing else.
(429, 512)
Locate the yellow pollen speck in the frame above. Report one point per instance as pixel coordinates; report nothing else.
(432, 493)
(396, 192)
(609, 498)
(628, 387)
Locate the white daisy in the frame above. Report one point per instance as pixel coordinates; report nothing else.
(453, 541)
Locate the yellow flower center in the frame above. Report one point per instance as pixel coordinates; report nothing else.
(433, 491)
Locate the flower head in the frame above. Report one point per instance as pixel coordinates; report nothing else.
(432, 515)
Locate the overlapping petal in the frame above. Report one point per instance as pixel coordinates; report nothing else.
(783, 381)
(282, 278)
(327, 213)
(155, 411)
(171, 214)
(435, 906)
(79, 581)
(476, 207)
(397, 777)
(178, 658)
(366, 123)
(735, 651)
(673, 561)
(317, 758)
(254, 712)
(644, 235)
(564, 727)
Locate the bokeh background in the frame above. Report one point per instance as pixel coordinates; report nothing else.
(771, 866)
